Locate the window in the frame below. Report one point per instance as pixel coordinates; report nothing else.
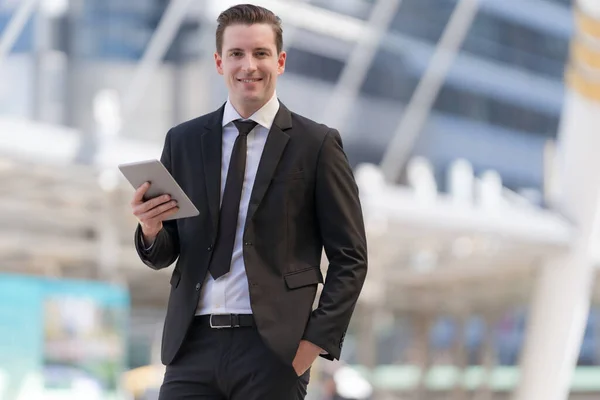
(490, 36)
(424, 19)
(388, 79)
(116, 29)
(353, 8)
(313, 65)
(517, 45)
(25, 41)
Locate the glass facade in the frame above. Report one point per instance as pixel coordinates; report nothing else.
(507, 48)
(519, 52)
(25, 41)
(114, 29)
(491, 36)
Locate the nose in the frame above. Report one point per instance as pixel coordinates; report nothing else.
(249, 64)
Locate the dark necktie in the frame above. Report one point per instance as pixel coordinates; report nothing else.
(230, 205)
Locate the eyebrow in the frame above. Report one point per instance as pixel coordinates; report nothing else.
(257, 49)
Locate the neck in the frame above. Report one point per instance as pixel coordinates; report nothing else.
(246, 109)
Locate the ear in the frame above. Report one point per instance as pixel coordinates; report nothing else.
(281, 62)
(219, 63)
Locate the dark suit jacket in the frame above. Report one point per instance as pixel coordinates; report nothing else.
(304, 199)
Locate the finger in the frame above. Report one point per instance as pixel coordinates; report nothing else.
(156, 211)
(151, 204)
(168, 213)
(138, 196)
(164, 215)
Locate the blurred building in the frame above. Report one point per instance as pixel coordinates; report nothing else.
(500, 103)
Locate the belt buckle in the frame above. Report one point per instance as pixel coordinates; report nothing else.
(218, 326)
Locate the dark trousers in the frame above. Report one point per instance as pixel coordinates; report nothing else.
(229, 364)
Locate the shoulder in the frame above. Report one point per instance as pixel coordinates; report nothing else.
(311, 129)
(196, 125)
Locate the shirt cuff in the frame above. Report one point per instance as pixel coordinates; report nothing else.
(143, 243)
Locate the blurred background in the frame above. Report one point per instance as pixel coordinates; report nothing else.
(473, 128)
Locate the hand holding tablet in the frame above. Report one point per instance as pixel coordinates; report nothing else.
(158, 197)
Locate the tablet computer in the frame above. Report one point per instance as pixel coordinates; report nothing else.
(161, 182)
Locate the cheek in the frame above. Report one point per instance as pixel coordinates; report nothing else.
(229, 69)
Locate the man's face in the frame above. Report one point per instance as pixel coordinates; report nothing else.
(249, 63)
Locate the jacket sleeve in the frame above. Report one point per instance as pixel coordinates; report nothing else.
(165, 249)
(340, 221)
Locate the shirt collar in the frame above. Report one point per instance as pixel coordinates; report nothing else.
(264, 116)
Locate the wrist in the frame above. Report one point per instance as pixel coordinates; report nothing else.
(149, 234)
(313, 347)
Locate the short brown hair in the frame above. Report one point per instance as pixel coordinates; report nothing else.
(249, 14)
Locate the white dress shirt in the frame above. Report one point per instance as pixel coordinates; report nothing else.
(229, 293)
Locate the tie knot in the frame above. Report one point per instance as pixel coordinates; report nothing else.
(244, 127)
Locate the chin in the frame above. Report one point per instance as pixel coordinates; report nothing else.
(253, 97)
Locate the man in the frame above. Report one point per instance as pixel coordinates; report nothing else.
(273, 189)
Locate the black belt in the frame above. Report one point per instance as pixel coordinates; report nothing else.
(220, 321)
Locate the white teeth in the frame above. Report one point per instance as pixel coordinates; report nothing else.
(249, 80)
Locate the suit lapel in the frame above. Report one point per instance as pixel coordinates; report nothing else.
(211, 157)
(274, 147)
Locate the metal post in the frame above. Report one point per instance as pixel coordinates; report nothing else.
(489, 362)
(426, 92)
(157, 48)
(353, 75)
(367, 350)
(563, 290)
(15, 27)
(107, 116)
(290, 33)
(422, 322)
(460, 356)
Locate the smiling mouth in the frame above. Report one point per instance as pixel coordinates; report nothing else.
(250, 80)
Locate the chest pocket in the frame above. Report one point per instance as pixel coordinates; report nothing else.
(289, 176)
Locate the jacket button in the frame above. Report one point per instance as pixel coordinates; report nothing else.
(248, 243)
(197, 287)
(210, 248)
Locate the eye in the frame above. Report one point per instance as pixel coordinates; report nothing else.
(262, 54)
(236, 54)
